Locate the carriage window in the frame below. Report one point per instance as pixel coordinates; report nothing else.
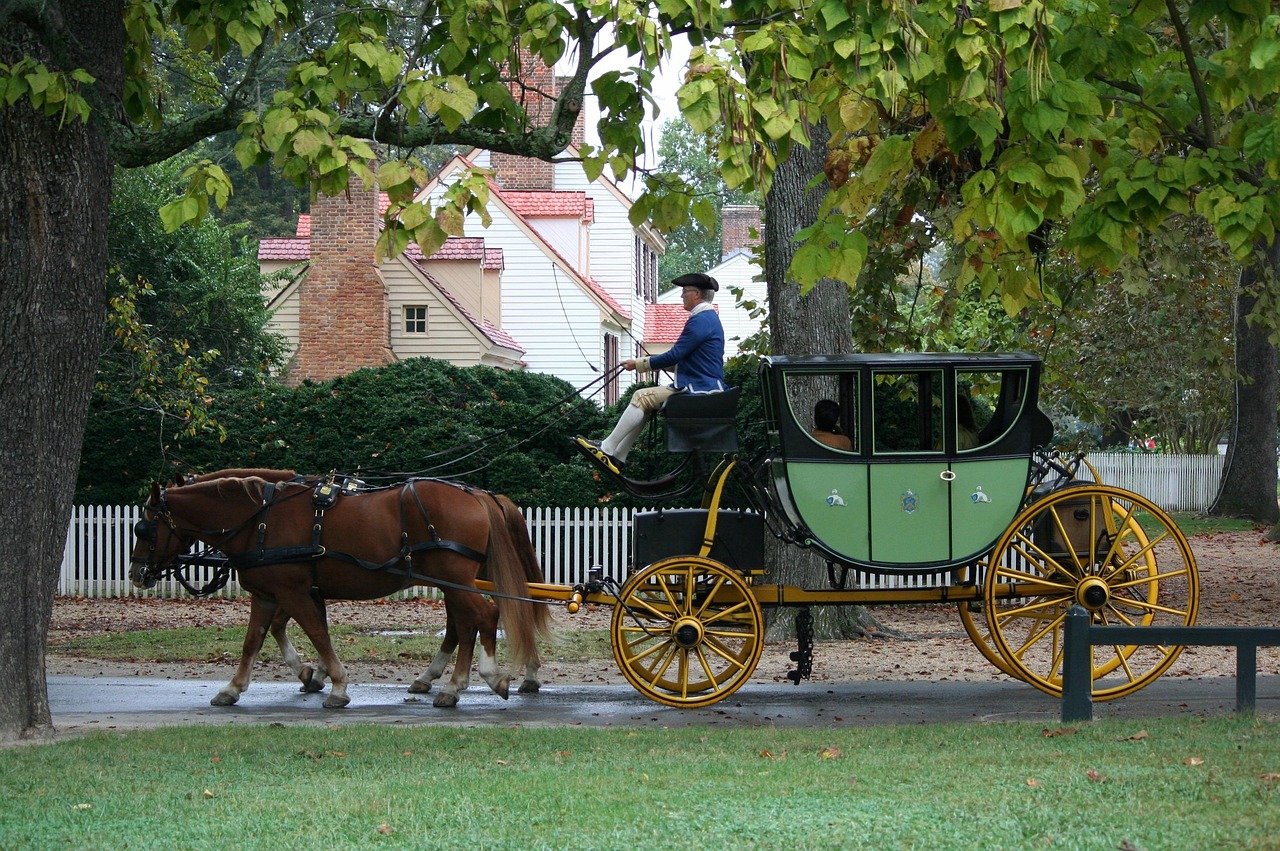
(907, 411)
(994, 400)
(825, 407)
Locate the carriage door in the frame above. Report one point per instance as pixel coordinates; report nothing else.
(990, 470)
(910, 498)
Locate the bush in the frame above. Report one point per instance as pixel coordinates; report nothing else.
(504, 431)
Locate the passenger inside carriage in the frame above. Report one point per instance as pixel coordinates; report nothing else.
(826, 426)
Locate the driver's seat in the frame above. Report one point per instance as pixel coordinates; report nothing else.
(702, 421)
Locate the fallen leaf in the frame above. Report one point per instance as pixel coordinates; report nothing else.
(1061, 731)
(767, 754)
(501, 762)
(1094, 775)
(208, 793)
(384, 828)
(1138, 736)
(1193, 760)
(1270, 777)
(1031, 781)
(83, 807)
(830, 753)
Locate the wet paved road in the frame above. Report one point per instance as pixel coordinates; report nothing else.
(81, 704)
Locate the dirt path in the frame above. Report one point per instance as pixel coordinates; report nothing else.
(1239, 578)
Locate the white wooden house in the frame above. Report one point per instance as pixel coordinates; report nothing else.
(557, 283)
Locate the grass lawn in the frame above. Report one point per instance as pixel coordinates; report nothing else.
(1166, 783)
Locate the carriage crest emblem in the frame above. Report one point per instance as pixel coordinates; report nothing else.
(910, 502)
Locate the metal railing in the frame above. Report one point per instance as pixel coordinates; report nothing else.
(1081, 636)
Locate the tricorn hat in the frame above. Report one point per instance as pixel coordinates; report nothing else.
(701, 280)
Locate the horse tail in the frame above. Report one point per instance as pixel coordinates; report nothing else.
(512, 563)
(520, 537)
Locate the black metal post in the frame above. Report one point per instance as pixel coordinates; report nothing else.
(1077, 667)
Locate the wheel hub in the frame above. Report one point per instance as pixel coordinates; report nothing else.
(1093, 593)
(687, 632)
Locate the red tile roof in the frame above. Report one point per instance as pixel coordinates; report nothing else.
(284, 248)
(663, 322)
(550, 205)
(458, 248)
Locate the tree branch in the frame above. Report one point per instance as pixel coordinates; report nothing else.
(1197, 82)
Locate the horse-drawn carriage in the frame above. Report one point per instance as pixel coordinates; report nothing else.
(943, 492)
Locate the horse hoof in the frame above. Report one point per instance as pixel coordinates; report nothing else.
(445, 700)
(503, 689)
(311, 682)
(529, 687)
(223, 698)
(332, 702)
(419, 687)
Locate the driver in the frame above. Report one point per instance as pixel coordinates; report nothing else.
(698, 361)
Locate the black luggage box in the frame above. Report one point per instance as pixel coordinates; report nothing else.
(739, 537)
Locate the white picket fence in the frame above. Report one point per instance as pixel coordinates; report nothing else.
(1185, 483)
(570, 541)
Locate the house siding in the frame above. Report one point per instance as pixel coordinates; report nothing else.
(448, 337)
(613, 257)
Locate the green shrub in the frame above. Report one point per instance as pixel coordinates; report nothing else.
(505, 431)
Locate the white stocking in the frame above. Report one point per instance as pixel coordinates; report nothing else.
(630, 424)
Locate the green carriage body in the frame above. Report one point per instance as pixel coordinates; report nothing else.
(913, 494)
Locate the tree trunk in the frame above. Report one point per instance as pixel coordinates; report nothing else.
(815, 323)
(1248, 485)
(55, 197)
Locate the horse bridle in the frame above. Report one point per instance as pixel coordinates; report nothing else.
(147, 529)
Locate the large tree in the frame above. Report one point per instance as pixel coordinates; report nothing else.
(1030, 129)
(87, 85)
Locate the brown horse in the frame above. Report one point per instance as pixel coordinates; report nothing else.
(312, 678)
(290, 552)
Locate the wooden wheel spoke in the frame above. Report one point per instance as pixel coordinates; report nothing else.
(637, 603)
(728, 612)
(1032, 555)
(722, 650)
(1066, 540)
(1034, 635)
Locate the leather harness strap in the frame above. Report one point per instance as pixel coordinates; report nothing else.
(316, 551)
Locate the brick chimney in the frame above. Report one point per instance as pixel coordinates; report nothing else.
(736, 224)
(536, 92)
(343, 322)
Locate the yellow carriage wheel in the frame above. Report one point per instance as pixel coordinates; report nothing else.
(687, 631)
(975, 624)
(1111, 551)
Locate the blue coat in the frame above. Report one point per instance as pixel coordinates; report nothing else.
(698, 355)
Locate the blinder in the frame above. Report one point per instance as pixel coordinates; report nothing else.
(145, 530)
